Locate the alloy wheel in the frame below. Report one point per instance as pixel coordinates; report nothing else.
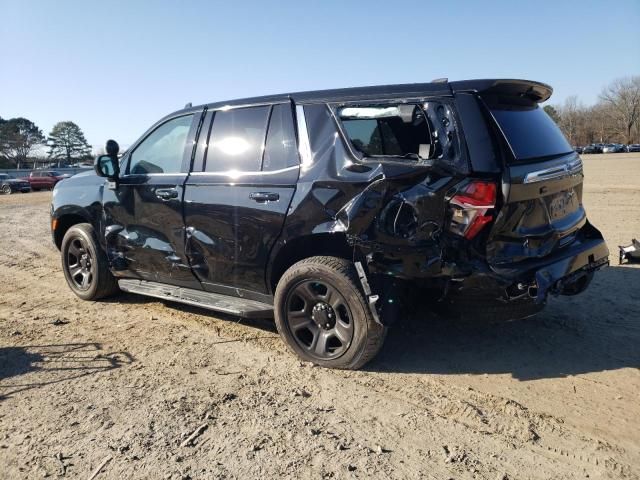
(319, 319)
(80, 264)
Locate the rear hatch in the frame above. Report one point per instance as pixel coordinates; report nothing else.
(542, 208)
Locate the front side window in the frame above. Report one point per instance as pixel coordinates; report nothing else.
(236, 142)
(163, 150)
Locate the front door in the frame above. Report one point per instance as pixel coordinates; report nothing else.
(144, 228)
(237, 197)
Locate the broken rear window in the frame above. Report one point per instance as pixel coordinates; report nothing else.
(425, 131)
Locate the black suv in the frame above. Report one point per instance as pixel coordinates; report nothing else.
(330, 209)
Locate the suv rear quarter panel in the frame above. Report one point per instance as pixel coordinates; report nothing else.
(391, 213)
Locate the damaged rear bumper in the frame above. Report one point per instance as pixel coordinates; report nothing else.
(566, 272)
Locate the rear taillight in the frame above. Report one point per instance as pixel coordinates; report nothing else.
(469, 208)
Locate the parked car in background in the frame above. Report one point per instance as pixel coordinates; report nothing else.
(45, 179)
(577, 149)
(593, 148)
(10, 184)
(634, 147)
(613, 148)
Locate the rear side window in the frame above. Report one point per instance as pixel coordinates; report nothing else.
(399, 130)
(530, 131)
(237, 140)
(280, 151)
(425, 131)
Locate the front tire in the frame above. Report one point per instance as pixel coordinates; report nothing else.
(85, 265)
(6, 189)
(323, 316)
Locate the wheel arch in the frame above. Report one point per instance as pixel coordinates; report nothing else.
(299, 248)
(62, 222)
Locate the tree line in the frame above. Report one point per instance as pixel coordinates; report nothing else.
(615, 117)
(22, 144)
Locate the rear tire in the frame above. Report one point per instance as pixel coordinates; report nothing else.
(323, 316)
(85, 264)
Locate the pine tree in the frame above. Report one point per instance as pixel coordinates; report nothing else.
(66, 141)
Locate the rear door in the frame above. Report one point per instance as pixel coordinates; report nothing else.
(237, 197)
(542, 210)
(144, 228)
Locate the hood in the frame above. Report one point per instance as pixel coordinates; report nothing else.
(87, 173)
(80, 180)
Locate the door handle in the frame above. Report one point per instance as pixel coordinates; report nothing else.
(167, 193)
(262, 197)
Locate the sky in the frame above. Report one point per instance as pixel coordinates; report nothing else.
(116, 67)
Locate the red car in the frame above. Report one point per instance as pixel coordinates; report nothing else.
(46, 179)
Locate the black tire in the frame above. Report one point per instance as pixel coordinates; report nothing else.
(6, 189)
(329, 289)
(85, 265)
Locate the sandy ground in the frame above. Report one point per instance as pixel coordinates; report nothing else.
(127, 381)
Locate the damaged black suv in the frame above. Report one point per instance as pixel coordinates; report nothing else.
(327, 208)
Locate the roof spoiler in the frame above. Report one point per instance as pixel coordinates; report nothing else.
(535, 91)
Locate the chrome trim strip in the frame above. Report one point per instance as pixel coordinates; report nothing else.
(236, 174)
(569, 169)
(304, 146)
(266, 103)
(136, 175)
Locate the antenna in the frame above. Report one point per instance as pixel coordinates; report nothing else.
(188, 105)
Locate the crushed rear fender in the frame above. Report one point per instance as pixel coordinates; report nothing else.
(397, 221)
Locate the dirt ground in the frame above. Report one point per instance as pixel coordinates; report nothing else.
(127, 381)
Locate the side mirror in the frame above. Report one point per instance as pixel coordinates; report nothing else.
(108, 165)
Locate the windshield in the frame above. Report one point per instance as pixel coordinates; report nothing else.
(4, 176)
(531, 133)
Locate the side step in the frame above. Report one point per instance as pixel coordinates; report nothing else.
(242, 307)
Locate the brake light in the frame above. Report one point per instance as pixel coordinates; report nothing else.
(470, 206)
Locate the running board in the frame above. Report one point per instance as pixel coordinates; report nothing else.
(242, 307)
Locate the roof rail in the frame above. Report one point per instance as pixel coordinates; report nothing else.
(440, 80)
